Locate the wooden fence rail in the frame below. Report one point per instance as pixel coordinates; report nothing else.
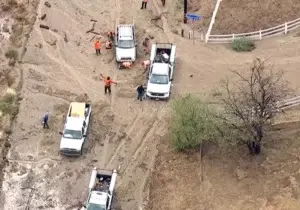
(256, 35)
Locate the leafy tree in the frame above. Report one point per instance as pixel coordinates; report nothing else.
(192, 123)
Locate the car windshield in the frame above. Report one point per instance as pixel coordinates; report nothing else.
(72, 134)
(126, 44)
(159, 79)
(93, 206)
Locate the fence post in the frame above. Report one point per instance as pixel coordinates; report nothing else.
(206, 38)
(201, 36)
(260, 36)
(285, 28)
(232, 37)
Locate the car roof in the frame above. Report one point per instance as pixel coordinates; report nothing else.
(98, 197)
(125, 32)
(74, 123)
(160, 68)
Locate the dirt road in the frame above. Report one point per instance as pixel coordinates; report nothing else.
(60, 67)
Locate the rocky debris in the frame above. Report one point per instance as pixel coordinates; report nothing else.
(47, 4)
(44, 26)
(43, 16)
(65, 37)
(5, 28)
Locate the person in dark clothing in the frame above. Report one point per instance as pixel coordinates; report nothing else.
(45, 120)
(144, 4)
(141, 90)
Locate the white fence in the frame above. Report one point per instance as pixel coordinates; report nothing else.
(288, 103)
(212, 21)
(257, 35)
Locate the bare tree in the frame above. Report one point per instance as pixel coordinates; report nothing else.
(251, 101)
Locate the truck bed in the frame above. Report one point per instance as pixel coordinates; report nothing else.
(102, 182)
(162, 48)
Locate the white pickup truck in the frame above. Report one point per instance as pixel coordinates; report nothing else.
(101, 189)
(75, 129)
(161, 71)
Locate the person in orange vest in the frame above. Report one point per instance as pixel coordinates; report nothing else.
(107, 84)
(98, 47)
(144, 4)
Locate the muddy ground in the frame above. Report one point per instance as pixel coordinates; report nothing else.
(59, 66)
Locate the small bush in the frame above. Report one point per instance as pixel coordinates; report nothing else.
(8, 108)
(5, 8)
(9, 99)
(9, 80)
(243, 45)
(7, 103)
(12, 54)
(192, 123)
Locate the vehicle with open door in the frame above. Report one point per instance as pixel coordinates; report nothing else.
(101, 189)
(161, 71)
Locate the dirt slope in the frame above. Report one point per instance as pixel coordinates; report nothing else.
(241, 16)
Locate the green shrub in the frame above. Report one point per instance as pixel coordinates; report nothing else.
(7, 104)
(243, 45)
(9, 98)
(12, 54)
(8, 108)
(192, 123)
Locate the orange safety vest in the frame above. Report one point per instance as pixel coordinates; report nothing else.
(108, 82)
(97, 45)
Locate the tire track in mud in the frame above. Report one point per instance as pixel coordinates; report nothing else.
(147, 134)
(72, 73)
(123, 141)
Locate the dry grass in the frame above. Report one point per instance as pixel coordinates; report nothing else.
(240, 16)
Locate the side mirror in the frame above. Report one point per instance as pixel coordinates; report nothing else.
(84, 135)
(61, 133)
(171, 80)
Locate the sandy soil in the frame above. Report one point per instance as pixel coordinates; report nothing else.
(241, 16)
(59, 66)
(231, 179)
